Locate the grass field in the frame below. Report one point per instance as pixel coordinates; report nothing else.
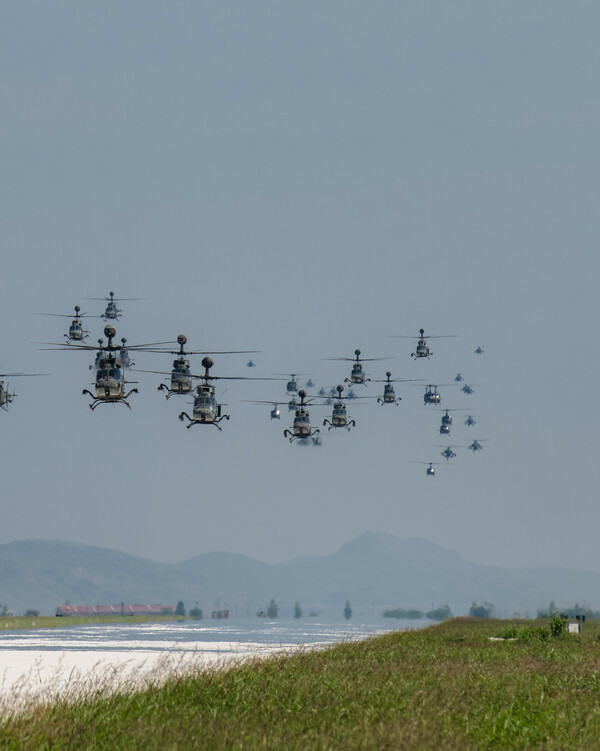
(50, 621)
(444, 687)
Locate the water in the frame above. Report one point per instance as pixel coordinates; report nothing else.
(45, 663)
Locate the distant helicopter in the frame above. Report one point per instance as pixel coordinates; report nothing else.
(479, 350)
(476, 445)
(6, 397)
(76, 331)
(207, 411)
(430, 468)
(301, 428)
(112, 312)
(446, 423)
(250, 364)
(181, 375)
(470, 421)
(339, 418)
(422, 349)
(389, 395)
(448, 454)
(431, 395)
(357, 375)
(275, 413)
(466, 389)
(458, 377)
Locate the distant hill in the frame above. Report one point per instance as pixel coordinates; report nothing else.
(372, 571)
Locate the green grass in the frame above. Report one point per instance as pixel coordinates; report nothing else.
(8, 622)
(444, 687)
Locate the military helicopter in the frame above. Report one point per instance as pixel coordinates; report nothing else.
(446, 423)
(339, 419)
(207, 411)
(389, 395)
(301, 428)
(448, 454)
(479, 350)
(430, 468)
(6, 397)
(112, 312)
(458, 377)
(275, 413)
(181, 376)
(76, 331)
(431, 395)
(422, 349)
(476, 445)
(466, 389)
(357, 375)
(292, 384)
(469, 422)
(110, 378)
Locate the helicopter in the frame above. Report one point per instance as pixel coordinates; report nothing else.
(466, 389)
(110, 379)
(479, 350)
(250, 364)
(389, 395)
(431, 395)
(422, 349)
(469, 422)
(357, 375)
(448, 454)
(476, 445)
(292, 384)
(112, 312)
(458, 377)
(301, 428)
(275, 412)
(76, 331)
(181, 376)
(207, 411)
(446, 423)
(6, 397)
(339, 418)
(430, 468)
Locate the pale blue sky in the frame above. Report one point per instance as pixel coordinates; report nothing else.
(304, 179)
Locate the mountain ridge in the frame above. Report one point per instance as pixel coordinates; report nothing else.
(374, 570)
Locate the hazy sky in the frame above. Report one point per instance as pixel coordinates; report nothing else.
(305, 178)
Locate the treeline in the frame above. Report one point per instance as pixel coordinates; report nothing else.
(437, 614)
(572, 612)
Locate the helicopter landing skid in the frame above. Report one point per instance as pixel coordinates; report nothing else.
(301, 437)
(350, 423)
(171, 392)
(203, 422)
(109, 400)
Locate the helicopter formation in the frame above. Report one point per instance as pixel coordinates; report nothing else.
(112, 386)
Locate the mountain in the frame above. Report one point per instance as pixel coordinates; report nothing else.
(373, 571)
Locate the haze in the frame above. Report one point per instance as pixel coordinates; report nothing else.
(304, 179)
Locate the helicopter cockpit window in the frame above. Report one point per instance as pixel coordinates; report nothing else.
(115, 373)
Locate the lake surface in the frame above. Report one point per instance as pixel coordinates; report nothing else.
(45, 663)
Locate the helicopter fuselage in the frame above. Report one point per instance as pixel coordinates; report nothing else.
(357, 375)
(339, 417)
(111, 312)
(76, 332)
(5, 397)
(389, 395)
(206, 410)
(301, 427)
(422, 350)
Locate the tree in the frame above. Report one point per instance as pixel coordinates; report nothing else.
(347, 611)
(297, 610)
(439, 614)
(272, 609)
(196, 612)
(31, 612)
(180, 609)
(486, 610)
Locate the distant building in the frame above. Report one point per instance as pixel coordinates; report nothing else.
(120, 609)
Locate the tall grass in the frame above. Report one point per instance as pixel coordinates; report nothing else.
(446, 686)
